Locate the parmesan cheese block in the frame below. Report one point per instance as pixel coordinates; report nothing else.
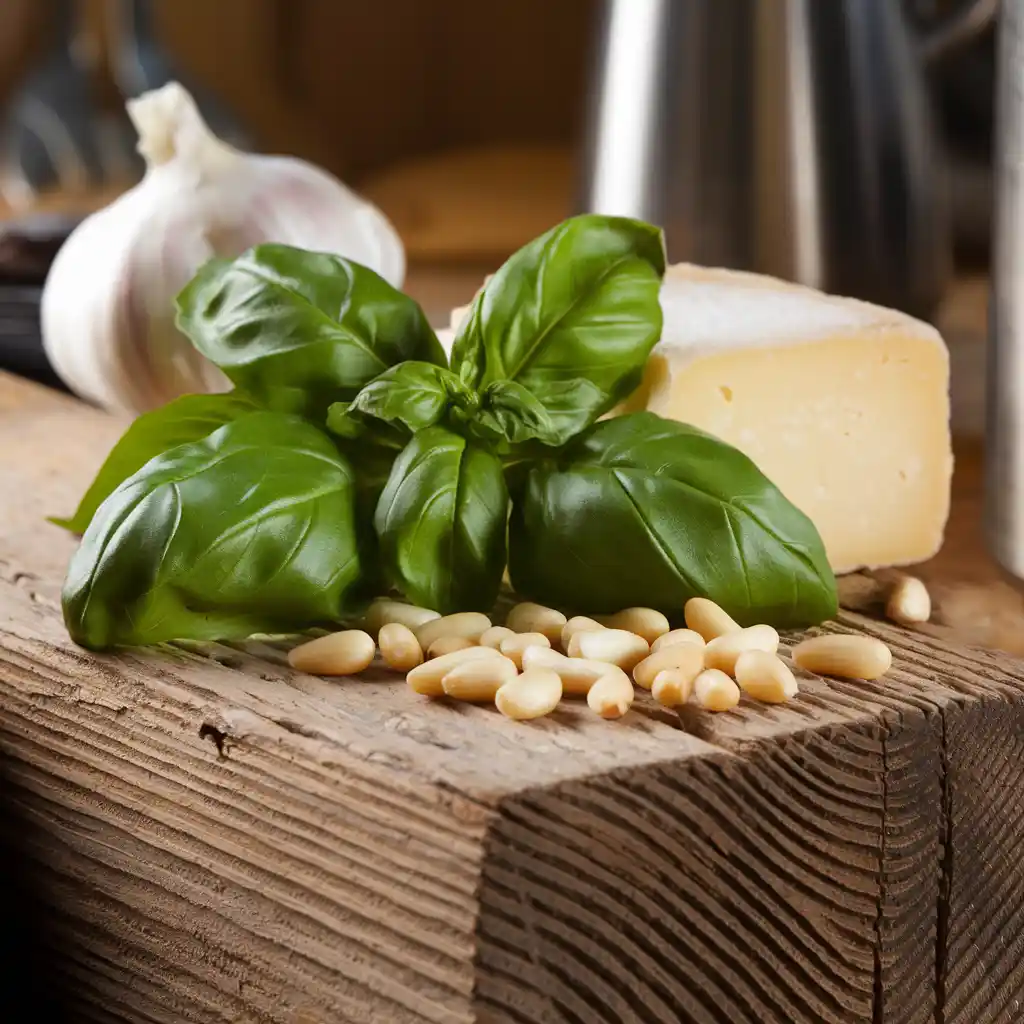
(843, 404)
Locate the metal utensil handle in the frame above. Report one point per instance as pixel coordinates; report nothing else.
(957, 29)
(1004, 398)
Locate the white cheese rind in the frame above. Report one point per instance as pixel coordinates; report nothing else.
(843, 404)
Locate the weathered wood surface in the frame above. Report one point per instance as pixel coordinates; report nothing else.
(222, 839)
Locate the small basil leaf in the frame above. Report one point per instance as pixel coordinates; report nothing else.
(578, 304)
(299, 330)
(415, 395)
(510, 415)
(646, 511)
(343, 424)
(188, 418)
(249, 530)
(441, 523)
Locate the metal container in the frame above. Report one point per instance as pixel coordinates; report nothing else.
(1004, 453)
(791, 137)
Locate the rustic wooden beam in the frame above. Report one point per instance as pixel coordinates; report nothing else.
(221, 838)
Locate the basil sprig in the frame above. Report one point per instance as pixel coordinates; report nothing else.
(351, 458)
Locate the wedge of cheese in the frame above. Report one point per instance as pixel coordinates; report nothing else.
(844, 405)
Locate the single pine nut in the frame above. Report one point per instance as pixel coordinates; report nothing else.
(687, 659)
(844, 656)
(492, 637)
(677, 636)
(533, 694)
(577, 624)
(909, 603)
(399, 647)
(478, 680)
(337, 654)
(578, 675)
(471, 625)
(427, 678)
(672, 687)
(713, 690)
(514, 646)
(722, 652)
(528, 617)
(447, 644)
(616, 646)
(708, 619)
(765, 676)
(611, 696)
(383, 610)
(646, 622)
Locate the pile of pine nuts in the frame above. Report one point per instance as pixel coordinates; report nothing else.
(525, 667)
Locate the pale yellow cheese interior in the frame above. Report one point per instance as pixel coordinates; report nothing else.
(852, 429)
(842, 404)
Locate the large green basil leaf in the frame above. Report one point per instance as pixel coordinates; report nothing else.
(441, 523)
(646, 511)
(572, 316)
(188, 418)
(250, 530)
(299, 330)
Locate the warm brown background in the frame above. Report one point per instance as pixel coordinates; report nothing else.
(460, 118)
(361, 84)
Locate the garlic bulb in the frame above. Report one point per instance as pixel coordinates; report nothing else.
(108, 304)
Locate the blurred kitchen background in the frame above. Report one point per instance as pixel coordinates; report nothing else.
(846, 143)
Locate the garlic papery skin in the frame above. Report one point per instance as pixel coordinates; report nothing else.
(108, 303)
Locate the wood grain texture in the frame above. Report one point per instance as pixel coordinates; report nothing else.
(220, 838)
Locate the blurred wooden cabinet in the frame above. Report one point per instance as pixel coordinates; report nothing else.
(361, 84)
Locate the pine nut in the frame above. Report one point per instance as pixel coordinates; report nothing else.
(533, 694)
(514, 646)
(577, 624)
(688, 659)
(471, 625)
(492, 637)
(844, 656)
(528, 617)
(616, 646)
(708, 619)
(337, 654)
(722, 651)
(909, 603)
(646, 622)
(478, 680)
(611, 696)
(447, 645)
(399, 647)
(672, 687)
(427, 678)
(677, 636)
(578, 675)
(383, 610)
(713, 690)
(765, 676)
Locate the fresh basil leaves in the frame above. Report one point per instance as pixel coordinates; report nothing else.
(251, 529)
(299, 330)
(441, 523)
(189, 418)
(645, 511)
(351, 458)
(412, 395)
(572, 317)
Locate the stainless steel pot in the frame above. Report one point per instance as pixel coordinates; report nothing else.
(792, 137)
